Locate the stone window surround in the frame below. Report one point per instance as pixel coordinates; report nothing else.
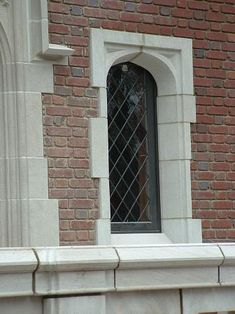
(169, 60)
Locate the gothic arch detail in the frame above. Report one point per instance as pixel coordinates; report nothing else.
(169, 60)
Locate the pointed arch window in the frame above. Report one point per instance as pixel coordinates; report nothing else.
(133, 155)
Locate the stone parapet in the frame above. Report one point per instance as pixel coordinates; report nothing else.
(118, 279)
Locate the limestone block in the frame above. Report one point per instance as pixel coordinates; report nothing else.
(144, 302)
(182, 230)
(97, 59)
(139, 239)
(103, 102)
(73, 270)
(98, 135)
(26, 177)
(76, 258)
(175, 194)
(28, 215)
(73, 282)
(177, 137)
(103, 231)
(164, 256)
(75, 305)
(172, 266)
(208, 300)
(16, 268)
(23, 305)
(104, 198)
(227, 273)
(30, 121)
(16, 285)
(166, 278)
(176, 108)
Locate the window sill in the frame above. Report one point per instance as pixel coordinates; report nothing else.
(139, 238)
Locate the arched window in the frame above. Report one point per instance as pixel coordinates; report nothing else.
(133, 156)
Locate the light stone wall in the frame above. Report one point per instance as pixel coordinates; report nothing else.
(27, 216)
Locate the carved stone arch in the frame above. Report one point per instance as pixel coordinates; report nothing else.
(169, 60)
(158, 65)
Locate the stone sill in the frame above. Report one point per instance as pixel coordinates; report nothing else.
(96, 269)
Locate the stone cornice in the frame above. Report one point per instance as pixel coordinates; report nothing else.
(97, 269)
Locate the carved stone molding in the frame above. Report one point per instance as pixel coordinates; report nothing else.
(4, 2)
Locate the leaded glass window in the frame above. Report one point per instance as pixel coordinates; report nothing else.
(133, 157)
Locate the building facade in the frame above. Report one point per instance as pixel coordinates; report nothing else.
(209, 26)
(117, 132)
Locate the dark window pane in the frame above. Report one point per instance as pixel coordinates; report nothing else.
(133, 167)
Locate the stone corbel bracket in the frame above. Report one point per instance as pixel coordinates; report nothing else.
(39, 27)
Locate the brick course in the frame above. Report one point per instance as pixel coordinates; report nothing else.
(211, 25)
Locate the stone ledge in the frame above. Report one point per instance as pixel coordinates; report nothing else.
(96, 269)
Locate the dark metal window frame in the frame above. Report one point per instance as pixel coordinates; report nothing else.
(154, 225)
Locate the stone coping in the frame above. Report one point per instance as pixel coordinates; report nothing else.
(96, 269)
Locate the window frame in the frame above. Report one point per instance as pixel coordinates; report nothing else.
(172, 57)
(150, 94)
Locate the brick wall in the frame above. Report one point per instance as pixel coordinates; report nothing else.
(211, 25)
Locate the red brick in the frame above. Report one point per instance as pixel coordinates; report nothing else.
(199, 25)
(112, 4)
(148, 8)
(208, 234)
(170, 3)
(166, 30)
(59, 152)
(113, 15)
(78, 142)
(115, 25)
(220, 185)
(217, 111)
(67, 235)
(75, 81)
(59, 28)
(231, 37)
(222, 204)
(215, 17)
(202, 82)
(217, 36)
(59, 111)
(219, 55)
(216, 73)
(162, 20)
(218, 129)
(76, 40)
(147, 28)
(229, 28)
(80, 203)
(130, 17)
(94, 12)
(229, 9)
(181, 3)
(182, 13)
(58, 8)
(76, 20)
(183, 33)
(198, 5)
